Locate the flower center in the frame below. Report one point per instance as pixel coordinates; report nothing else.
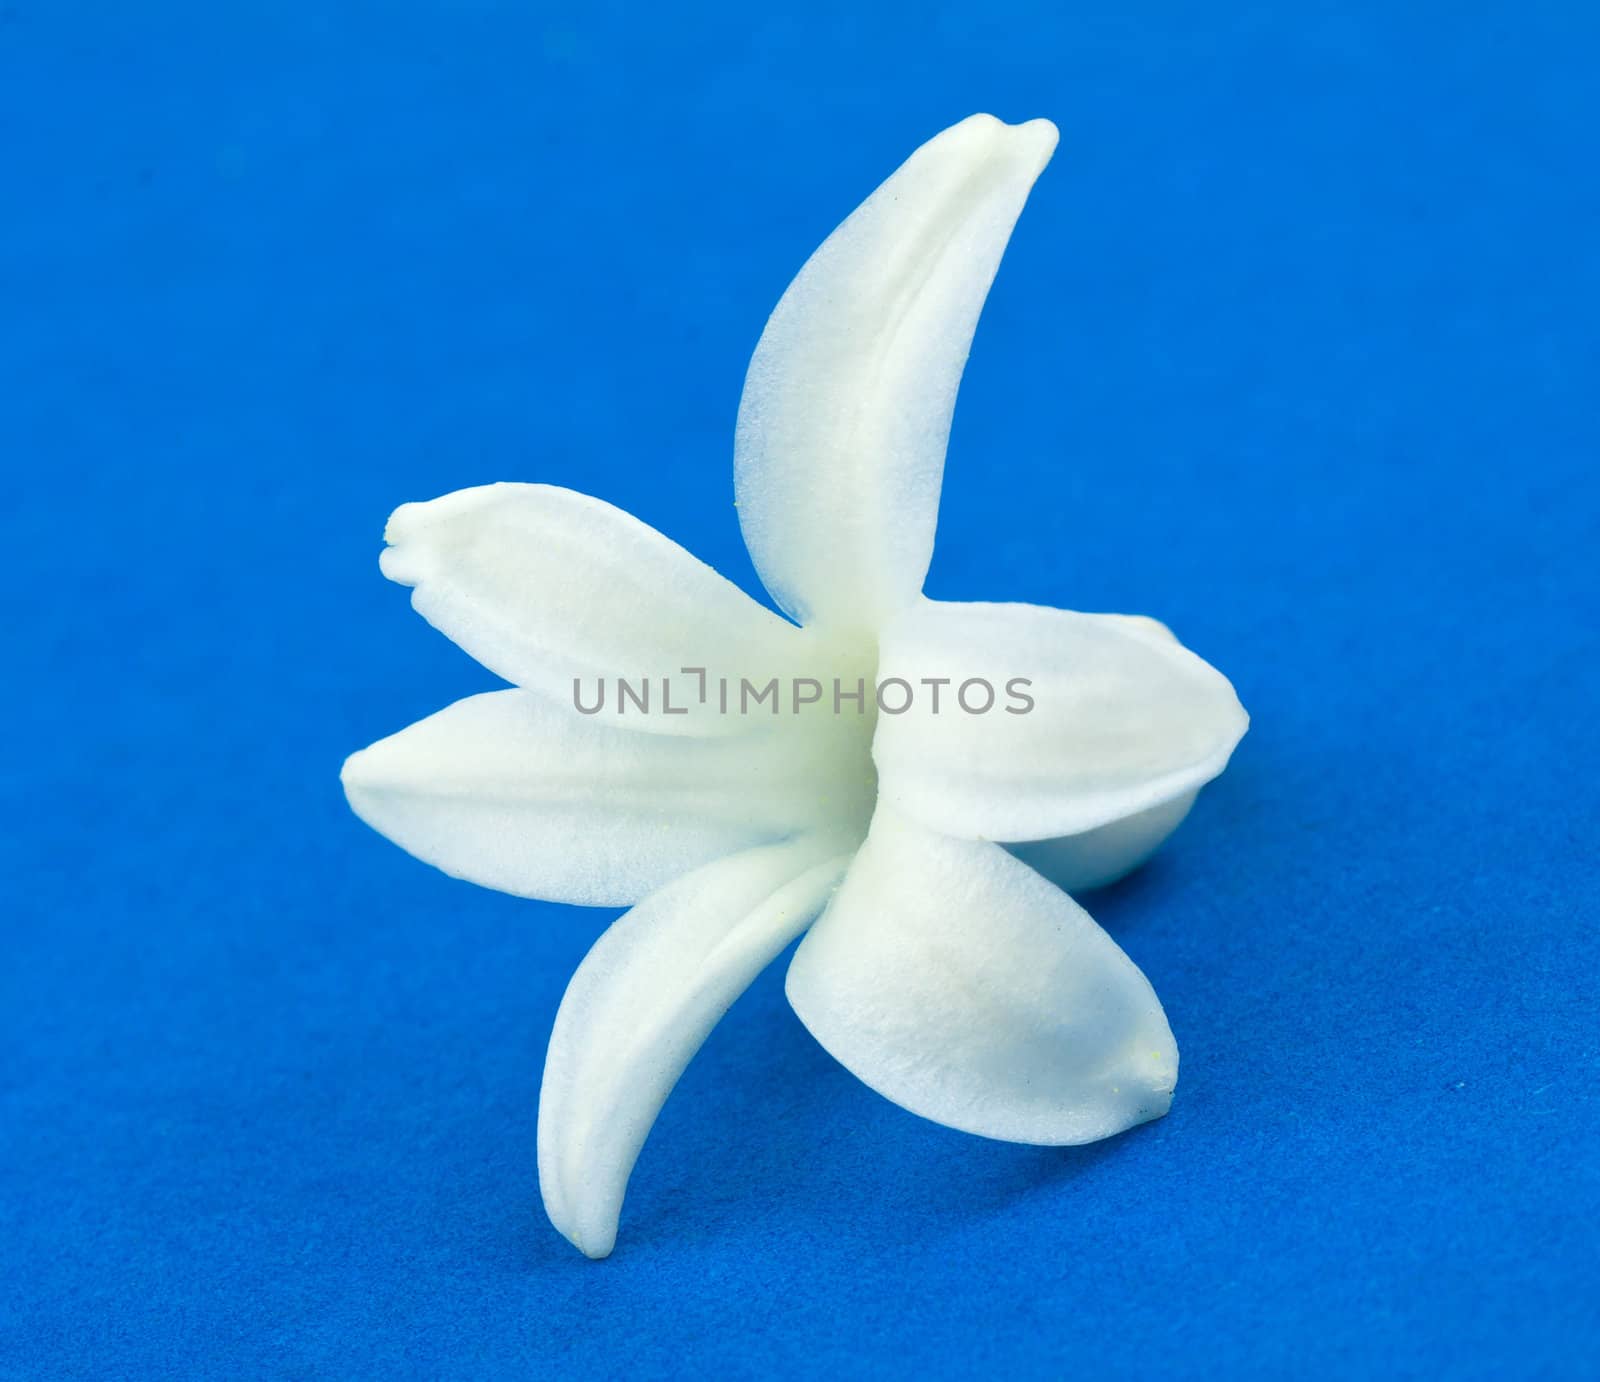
(833, 732)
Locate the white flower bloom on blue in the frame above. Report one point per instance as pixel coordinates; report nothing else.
(939, 963)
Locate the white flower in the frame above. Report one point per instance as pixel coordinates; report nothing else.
(944, 971)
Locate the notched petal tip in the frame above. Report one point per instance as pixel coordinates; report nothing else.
(401, 560)
(1033, 138)
(404, 559)
(547, 588)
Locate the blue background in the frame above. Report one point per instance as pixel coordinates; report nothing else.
(1295, 348)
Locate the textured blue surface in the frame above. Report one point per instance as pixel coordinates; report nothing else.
(1295, 348)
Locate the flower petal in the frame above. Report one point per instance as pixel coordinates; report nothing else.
(544, 585)
(1095, 858)
(639, 1007)
(839, 451)
(516, 792)
(1098, 857)
(1094, 718)
(956, 981)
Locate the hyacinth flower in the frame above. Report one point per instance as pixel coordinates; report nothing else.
(917, 790)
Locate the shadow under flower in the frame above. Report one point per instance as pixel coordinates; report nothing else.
(767, 1138)
(784, 1140)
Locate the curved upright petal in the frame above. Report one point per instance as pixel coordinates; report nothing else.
(642, 1003)
(839, 451)
(1050, 722)
(956, 981)
(544, 585)
(513, 791)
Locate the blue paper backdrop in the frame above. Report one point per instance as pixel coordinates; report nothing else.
(1295, 348)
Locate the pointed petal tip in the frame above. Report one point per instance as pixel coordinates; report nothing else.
(1156, 1070)
(360, 775)
(595, 1245)
(350, 771)
(1142, 1088)
(595, 1249)
(358, 780)
(590, 1224)
(1156, 1104)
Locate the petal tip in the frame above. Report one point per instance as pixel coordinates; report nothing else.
(596, 1249)
(1036, 138)
(358, 778)
(1041, 134)
(350, 771)
(397, 566)
(1159, 1072)
(591, 1229)
(405, 521)
(402, 561)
